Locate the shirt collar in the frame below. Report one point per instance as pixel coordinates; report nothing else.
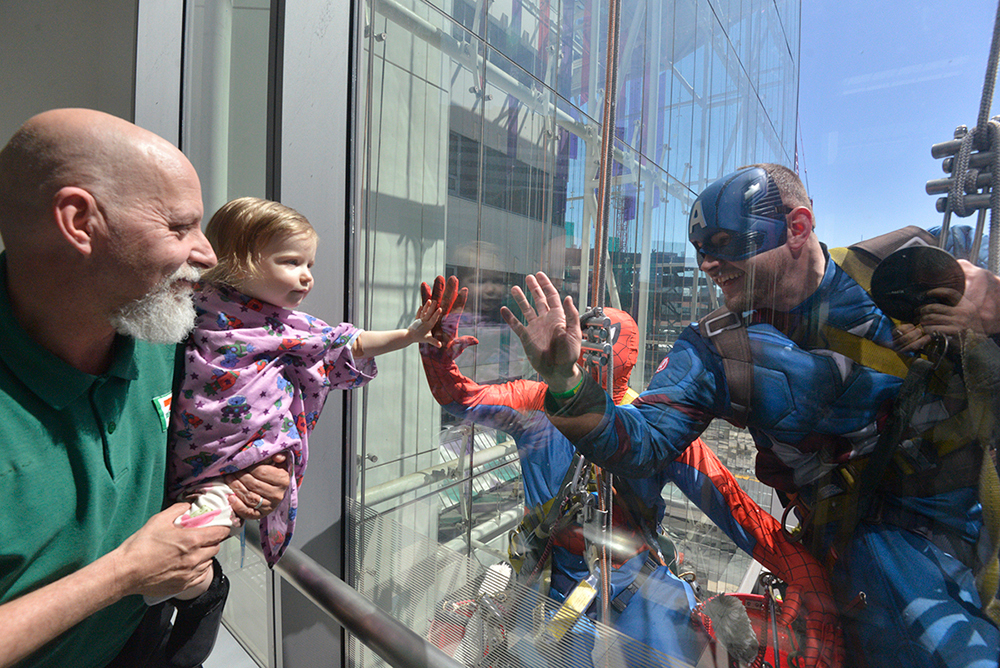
(51, 379)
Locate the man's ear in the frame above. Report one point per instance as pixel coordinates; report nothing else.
(800, 226)
(76, 213)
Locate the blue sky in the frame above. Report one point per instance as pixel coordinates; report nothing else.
(880, 83)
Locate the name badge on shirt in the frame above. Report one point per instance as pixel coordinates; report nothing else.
(162, 406)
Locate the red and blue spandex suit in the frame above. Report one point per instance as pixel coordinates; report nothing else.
(658, 614)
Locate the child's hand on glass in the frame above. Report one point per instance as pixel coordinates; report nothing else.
(419, 330)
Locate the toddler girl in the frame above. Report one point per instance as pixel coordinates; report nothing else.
(257, 372)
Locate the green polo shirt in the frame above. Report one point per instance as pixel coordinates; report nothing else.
(82, 467)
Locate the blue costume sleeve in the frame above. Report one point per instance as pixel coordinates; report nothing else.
(513, 408)
(638, 439)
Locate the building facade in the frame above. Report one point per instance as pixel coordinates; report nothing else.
(426, 137)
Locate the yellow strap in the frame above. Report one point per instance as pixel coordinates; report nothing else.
(982, 387)
(988, 578)
(855, 266)
(865, 352)
(951, 434)
(522, 534)
(573, 607)
(984, 422)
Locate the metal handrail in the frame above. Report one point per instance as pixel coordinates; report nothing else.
(394, 642)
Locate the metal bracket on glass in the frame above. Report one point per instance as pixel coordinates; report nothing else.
(596, 345)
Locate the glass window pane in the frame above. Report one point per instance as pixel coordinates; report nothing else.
(485, 143)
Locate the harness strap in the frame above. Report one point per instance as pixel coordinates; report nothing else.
(863, 491)
(728, 333)
(988, 577)
(859, 262)
(981, 363)
(865, 352)
(620, 601)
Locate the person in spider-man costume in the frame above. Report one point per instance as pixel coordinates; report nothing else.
(656, 609)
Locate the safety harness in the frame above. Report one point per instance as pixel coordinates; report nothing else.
(857, 481)
(531, 543)
(577, 505)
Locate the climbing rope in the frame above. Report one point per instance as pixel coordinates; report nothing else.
(991, 74)
(966, 181)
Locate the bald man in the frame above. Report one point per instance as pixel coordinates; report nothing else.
(100, 221)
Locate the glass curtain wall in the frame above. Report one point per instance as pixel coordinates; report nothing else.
(479, 133)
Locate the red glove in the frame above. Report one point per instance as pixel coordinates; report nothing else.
(451, 301)
(447, 383)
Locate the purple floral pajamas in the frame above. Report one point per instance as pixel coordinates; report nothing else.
(256, 377)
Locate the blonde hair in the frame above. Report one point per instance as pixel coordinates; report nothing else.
(241, 229)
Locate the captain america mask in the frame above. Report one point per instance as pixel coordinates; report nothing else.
(738, 216)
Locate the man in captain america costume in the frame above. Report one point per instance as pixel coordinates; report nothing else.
(905, 573)
(650, 603)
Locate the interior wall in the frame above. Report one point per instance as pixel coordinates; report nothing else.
(93, 66)
(65, 53)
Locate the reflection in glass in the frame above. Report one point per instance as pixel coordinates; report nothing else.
(481, 131)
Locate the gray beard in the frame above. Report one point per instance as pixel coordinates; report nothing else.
(164, 315)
